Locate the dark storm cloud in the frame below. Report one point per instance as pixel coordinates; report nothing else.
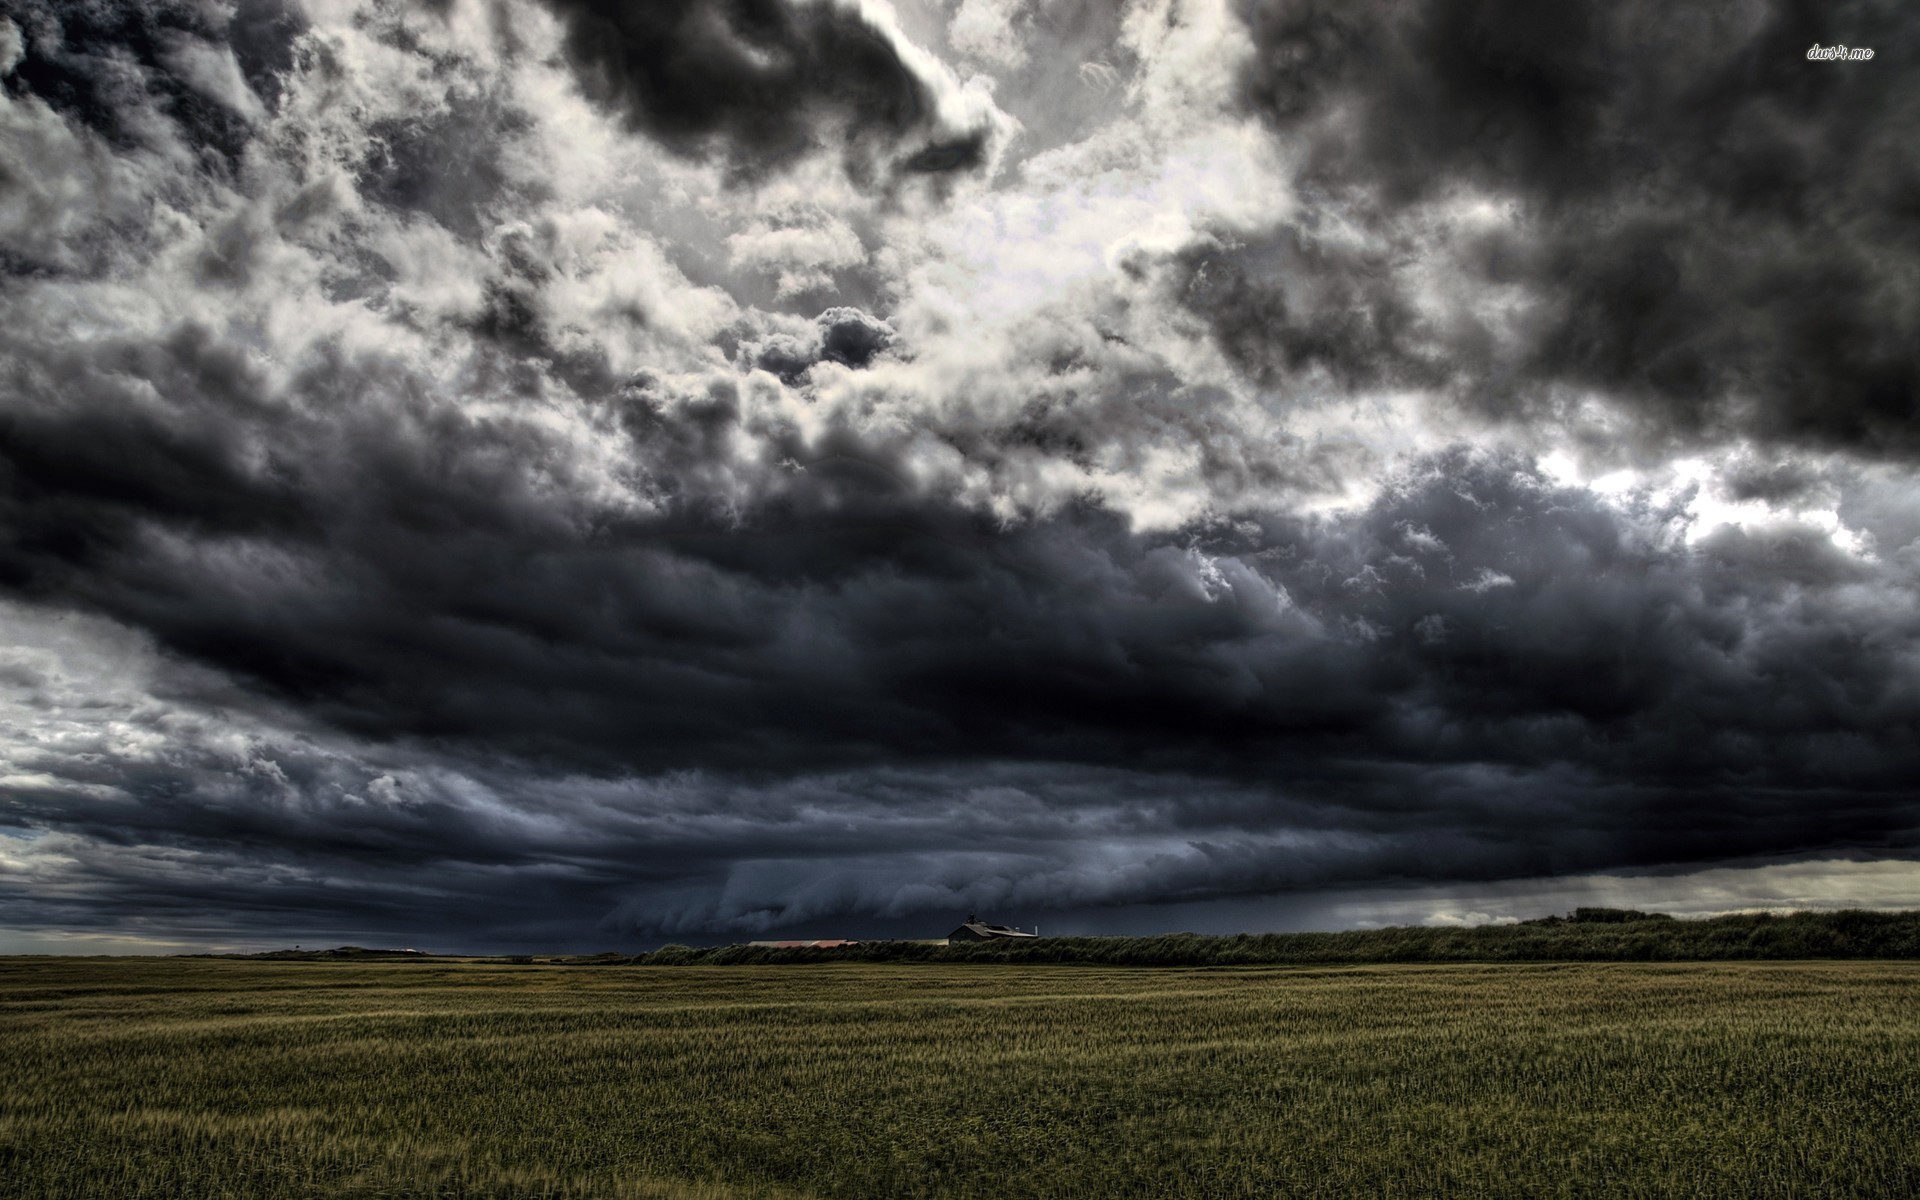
(411, 575)
(1288, 305)
(446, 544)
(110, 65)
(760, 83)
(446, 165)
(1708, 227)
(1776, 481)
(841, 335)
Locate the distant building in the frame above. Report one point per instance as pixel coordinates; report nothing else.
(817, 942)
(976, 930)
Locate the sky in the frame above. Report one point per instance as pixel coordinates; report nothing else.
(498, 475)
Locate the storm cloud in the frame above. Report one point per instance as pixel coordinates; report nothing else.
(1693, 223)
(761, 82)
(561, 474)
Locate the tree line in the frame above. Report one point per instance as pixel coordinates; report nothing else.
(1584, 935)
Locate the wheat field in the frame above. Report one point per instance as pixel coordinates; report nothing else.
(209, 1079)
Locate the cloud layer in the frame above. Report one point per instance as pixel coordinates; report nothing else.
(501, 474)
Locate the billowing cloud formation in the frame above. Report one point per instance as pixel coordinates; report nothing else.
(765, 81)
(1686, 218)
(706, 468)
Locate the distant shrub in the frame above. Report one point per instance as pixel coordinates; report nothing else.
(1613, 916)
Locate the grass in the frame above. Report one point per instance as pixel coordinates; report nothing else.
(207, 1079)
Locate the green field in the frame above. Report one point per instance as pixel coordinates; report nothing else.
(205, 1079)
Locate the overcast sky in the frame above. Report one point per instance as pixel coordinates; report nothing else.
(500, 474)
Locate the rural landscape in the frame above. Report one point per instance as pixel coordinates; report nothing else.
(978, 599)
(859, 1075)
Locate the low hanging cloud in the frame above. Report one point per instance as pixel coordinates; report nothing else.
(701, 469)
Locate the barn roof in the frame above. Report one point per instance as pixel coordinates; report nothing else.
(982, 929)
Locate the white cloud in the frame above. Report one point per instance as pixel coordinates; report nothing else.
(1824, 884)
(988, 30)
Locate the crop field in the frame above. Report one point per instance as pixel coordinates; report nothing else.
(212, 1079)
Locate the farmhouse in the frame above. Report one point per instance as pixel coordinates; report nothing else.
(976, 930)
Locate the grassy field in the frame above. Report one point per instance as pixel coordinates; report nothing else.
(208, 1079)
